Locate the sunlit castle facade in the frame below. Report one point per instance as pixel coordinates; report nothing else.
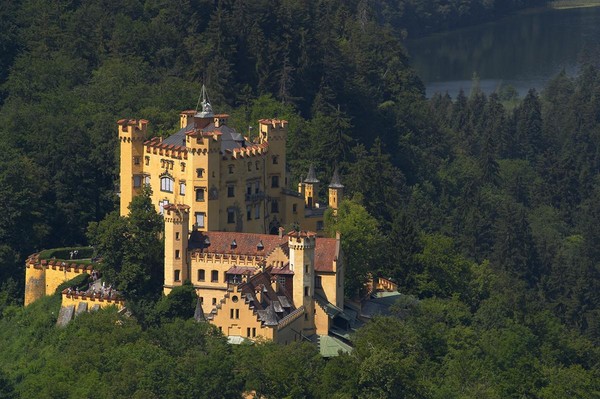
(229, 182)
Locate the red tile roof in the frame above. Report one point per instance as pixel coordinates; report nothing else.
(325, 254)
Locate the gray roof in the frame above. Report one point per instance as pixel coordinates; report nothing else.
(335, 180)
(230, 138)
(311, 177)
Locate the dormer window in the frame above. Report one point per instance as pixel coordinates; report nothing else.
(260, 246)
(233, 244)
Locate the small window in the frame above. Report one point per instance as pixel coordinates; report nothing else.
(137, 181)
(248, 212)
(177, 236)
(257, 165)
(274, 206)
(249, 166)
(200, 219)
(230, 167)
(166, 184)
(230, 191)
(253, 332)
(182, 188)
(306, 269)
(214, 276)
(257, 188)
(230, 216)
(199, 173)
(147, 180)
(248, 332)
(147, 159)
(183, 166)
(199, 195)
(177, 275)
(214, 302)
(201, 275)
(161, 206)
(201, 300)
(249, 188)
(295, 208)
(319, 225)
(281, 281)
(231, 313)
(275, 159)
(257, 211)
(274, 181)
(318, 282)
(305, 291)
(136, 160)
(237, 313)
(177, 254)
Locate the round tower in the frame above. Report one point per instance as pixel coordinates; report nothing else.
(131, 136)
(311, 188)
(336, 191)
(302, 262)
(176, 244)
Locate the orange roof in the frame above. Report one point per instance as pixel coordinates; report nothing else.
(325, 254)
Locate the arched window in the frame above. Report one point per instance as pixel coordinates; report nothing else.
(166, 184)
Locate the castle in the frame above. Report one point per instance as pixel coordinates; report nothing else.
(229, 182)
(220, 194)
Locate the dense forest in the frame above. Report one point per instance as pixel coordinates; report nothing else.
(484, 208)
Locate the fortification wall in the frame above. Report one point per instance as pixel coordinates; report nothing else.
(91, 300)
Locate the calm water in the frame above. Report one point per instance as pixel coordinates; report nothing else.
(525, 50)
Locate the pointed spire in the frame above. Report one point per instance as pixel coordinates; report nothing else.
(199, 312)
(207, 111)
(311, 177)
(335, 180)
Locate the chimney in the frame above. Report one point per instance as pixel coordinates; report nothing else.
(281, 230)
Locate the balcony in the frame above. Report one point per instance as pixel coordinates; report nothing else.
(254, 197)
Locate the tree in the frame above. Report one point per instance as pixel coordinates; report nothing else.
(131, 249)
(362, 243)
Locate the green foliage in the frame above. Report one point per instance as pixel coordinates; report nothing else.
(80, 282)
(180, 303)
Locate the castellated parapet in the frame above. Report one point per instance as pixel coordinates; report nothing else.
(42, 277)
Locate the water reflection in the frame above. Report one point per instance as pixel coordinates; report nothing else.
(524, 50)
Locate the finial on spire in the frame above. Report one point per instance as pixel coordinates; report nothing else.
(311, 177)
(207, 111)
(335, 179)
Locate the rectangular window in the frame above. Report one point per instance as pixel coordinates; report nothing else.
(231, 313)
(249, 188)
(230, 191)
(274, 206)
(274, 181)
(257, 188)
(248, 212)
(147, 180)
(182, 188)
(166, 184)
(305, 291)
(230, 216)
(147, 159)
(319, 225)
(200, 219)
(248, 332)
(161, 206)
(253, 332)
(199, 195)
(318, 282)
(257, 211)
(177, 254)
(177, 275)
(214, 302)
(275, 159)
(230, 167)
(136, 160)
(281, 281)
(177, 236)
(137, 181)
(295, 208)
(201, 275)
(199, 173)
(237, 313)
(214, 276)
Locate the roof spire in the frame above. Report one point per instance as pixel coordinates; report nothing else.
(207, 111)
(335, 179)
(311, 177)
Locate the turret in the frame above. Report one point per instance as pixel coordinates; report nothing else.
(336, 191)
(131, 136)
(311, 188)
(176, 244)
(302, 262)
(273, 133)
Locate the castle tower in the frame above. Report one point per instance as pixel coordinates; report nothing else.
(336, 191)
(131, 136)
(302, 263)
(311, 188)
(176, 244)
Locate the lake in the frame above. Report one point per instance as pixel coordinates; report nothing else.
(524, 50)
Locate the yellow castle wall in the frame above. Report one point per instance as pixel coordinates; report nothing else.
(43, 280)
(322, 321)
(68, 299)
(235, 318)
